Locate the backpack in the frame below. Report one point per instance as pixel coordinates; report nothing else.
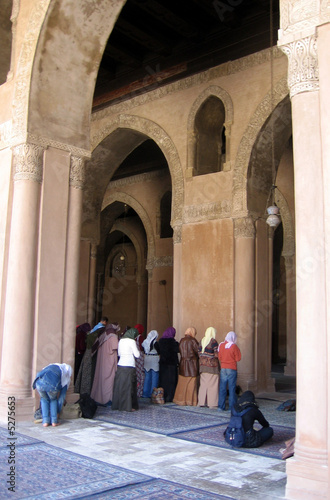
(87, 405)
(235, 433)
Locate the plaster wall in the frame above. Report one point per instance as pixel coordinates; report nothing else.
(207, 272)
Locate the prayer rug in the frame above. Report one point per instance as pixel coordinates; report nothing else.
(18, 439)
(159, 419)
(44, 471)
(214, 436)
(160, 489)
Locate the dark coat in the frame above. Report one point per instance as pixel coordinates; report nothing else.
(189, 357)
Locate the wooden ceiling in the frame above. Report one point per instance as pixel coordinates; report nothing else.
(155, 42)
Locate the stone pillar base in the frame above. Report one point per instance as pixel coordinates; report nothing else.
(24, 410)
(306, 481)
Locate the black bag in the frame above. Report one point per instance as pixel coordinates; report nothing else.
(235, 433)
(87, 405)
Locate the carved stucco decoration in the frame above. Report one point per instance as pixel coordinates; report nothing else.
(77, 172)
(28, 162)
(244, 227)
(303, 71)
(24, 70)
(207, 211)
(298, 16)
(288, 224)
(111, 197)
(163, 141)
(250, 135)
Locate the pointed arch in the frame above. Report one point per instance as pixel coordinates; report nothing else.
(262, 113)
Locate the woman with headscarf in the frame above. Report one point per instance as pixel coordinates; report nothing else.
(186, 390)
(124, 389)
(106, 347)
(168, 349)
(229, 355)
(208, 394)
(81, 333)
(151, 364)
(253, 438)
(85, 377)
(50, 381)
(139, 362)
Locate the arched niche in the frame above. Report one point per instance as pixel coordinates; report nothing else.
(209, 130)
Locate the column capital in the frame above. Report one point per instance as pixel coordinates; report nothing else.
(303, 70)
(244, 228)
(28, 162)
(77, 172)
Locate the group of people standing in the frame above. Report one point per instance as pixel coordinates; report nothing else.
(117, 368)
(107, 359)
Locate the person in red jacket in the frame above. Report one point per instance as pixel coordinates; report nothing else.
(229, 355)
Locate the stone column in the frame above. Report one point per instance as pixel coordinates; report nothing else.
(72, 262)
(244, 309)
(177, 258)
(290, 273)
(308, 469)
(91, 285)
(18, 337)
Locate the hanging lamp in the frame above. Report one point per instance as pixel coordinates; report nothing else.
(273, 219)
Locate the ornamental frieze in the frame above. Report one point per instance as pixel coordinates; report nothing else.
(244, 228)
(28, 162)
(207, 211)
(303, 71)
(77, 172)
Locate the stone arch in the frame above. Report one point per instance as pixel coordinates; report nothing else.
(262, 113)
(153, 131)
(288, 224)
(119, 226)
(83, 30)
(212, 91)
(132, 202)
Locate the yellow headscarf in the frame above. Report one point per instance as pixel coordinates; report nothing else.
(191, 331)
(209, 334)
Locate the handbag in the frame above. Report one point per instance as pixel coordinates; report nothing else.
(70, 411)
(157, 396)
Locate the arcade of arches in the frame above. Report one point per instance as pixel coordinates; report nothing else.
(152, 209)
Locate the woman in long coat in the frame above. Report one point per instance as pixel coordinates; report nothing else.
(168, 349)
(186, 390)
(106, 365)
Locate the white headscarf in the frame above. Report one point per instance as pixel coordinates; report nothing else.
(210, 333)
(66, 372)
(231, 339)
(150, 337)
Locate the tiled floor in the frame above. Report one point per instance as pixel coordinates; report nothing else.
(235, 474)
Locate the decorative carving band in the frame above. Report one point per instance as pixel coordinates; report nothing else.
(177, 234)
(28, 162)
(244, 228)
(207, 211)
(166, 261)
(303, 72)
(77, 172)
